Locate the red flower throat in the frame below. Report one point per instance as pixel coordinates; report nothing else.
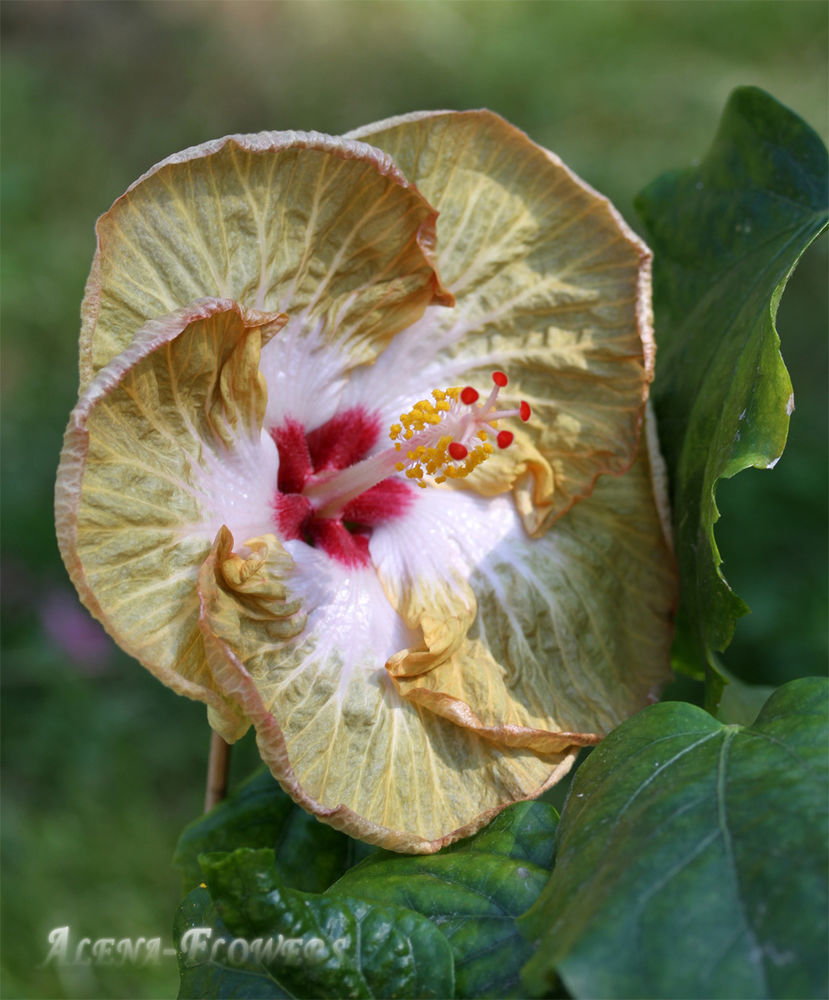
(306, 458)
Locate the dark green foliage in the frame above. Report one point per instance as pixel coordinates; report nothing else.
(469, 895)
(259, 814)
(206, 976)
(320, 946)
(691, 859)
(726, 235)
(473, 891)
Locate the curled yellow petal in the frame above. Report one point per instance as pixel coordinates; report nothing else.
(243, 601)
(326, 229)
(147, 478)
(338, 736)
(442, 614)
(573, 629)
(551, 286)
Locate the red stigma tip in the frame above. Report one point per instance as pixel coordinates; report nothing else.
(457, 451)
(469, 395)
(505, 439)
(500, 379)
(524, 411)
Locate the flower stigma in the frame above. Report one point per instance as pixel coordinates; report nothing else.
(438, 439)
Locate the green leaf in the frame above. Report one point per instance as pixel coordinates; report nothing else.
(726, 235)
(259, 814)
(473, 891)
(691, 858)
(319, 946)
(198, 931)
(523, 832)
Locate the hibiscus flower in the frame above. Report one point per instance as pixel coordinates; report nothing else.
(360, 459)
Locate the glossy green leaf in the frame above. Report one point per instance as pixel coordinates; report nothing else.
(726, 235)
(473, 892)
(259, 814)
(320, 946)
(205, 969)
(691, 858)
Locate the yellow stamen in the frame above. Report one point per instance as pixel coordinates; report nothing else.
(448, 438)
(431, 460)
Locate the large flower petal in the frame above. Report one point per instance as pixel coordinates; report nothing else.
(329, 721)
(407, 700)
(328, 229)
(164, 447)
(572, 631)
(550, 285)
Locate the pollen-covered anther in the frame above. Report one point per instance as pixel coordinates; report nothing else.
(448, 436)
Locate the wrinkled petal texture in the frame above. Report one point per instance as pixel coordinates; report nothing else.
(572, 630)
(326, 229)
(500, 623)
(550, 285)
(341, 739)
(147, 478)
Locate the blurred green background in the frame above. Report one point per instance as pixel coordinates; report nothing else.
(103, 766)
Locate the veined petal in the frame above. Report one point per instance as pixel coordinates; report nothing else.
(327, 229)
(330, 723)
(573, 630)
(550, 285)
(436, 657)
(165, 446)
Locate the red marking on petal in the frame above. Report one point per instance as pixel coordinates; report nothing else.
(469, 395)
(336, 444)
(294, 459)
(344, 439)
(525, 411)
(386, 500)
(293, 512)
(339, 543)
(500, 379)
(457, 451)
(505, 439)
